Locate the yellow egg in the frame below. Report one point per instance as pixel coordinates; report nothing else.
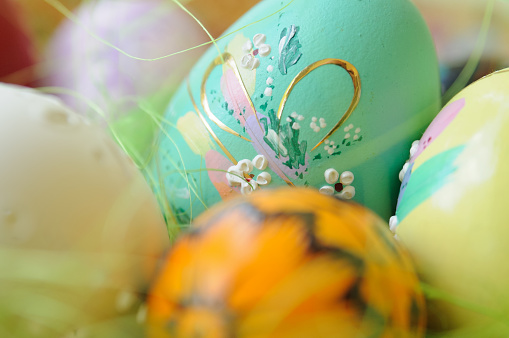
(453, 213)
(80, 231)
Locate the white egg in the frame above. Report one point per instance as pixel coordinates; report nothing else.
(80, 230)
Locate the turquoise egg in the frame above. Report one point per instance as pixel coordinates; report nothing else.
(326, 94)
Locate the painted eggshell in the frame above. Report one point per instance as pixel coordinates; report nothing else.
(17, 56)
(334, 86)
(287, 263)
(453, 206)
(80, 231)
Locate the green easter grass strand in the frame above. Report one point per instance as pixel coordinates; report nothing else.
(202, 26)
(192, 186)
(70, 16)
(162, 120)
(73, 18)
(184, 173)
(147, 108)
(435, 293)
(200, 183)
(185, 177)
(95, 108)
(75, 94)
(170, 217)
(158, 120)
(500, 324)
(144, 161)
(162, 198)
(257, 21)
(474, 59)
(27, 284)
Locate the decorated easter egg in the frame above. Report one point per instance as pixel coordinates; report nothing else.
(80, 231)
(17, 56)
(275, 265)
(322, 95)
(452, 211)
(93, 62)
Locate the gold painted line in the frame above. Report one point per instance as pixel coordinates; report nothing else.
(231, 62)
(354, 74)
(287, 181)
(205, 103)
(207, 126)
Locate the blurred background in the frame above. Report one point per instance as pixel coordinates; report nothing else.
(458, 32)
(82, 51)
(455, 25)
(103, 57)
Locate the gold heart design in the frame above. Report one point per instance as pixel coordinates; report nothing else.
(227, 59)
(354, 74)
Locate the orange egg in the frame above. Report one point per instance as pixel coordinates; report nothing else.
(286, 263)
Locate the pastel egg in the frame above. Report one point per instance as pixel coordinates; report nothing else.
(80, 231)
(286, 263)
(110, 79)
(452, 212)
(122, 92)
(312, 88)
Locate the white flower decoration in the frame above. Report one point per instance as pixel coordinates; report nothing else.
(239, 175)
(346, 178)
(249, 60)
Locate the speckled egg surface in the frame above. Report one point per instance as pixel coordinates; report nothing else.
(325, 94)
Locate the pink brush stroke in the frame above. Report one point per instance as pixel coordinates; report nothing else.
(275, 162)
(216, 160)
(243, 112)
(235, 97)
(438, 125)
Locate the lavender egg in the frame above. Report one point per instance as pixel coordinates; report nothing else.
(84, 57)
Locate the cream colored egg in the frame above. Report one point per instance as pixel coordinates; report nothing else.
(80, 231)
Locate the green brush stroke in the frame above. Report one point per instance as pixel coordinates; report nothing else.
(427, 179)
